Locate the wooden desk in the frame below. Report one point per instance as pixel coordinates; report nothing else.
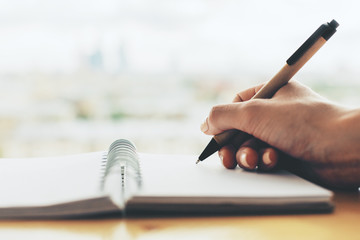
(343, 223)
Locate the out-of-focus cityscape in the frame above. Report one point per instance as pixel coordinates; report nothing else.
(76, 75)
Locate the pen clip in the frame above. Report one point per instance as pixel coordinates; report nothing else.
(326, 30)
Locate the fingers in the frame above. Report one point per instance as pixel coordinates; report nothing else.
(247, 94)
(269, 159)
(227, 156)
(247, 156)
(293, 89)
(244, 116)
(263, 159)
(221, 118)
(249, 116)
(224, 117)
(252, 154)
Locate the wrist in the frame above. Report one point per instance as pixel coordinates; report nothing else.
(348, 135)
(339, 166)
(344, 141)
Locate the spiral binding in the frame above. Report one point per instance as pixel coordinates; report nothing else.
(122, 155)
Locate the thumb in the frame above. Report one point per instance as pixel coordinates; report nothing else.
(240, 115)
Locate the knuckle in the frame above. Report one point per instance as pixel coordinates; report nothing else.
(251, 109)
(238, 98)
(215, 113)
(220, 117)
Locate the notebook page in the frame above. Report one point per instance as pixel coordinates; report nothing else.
(46, 181)
(179, 176)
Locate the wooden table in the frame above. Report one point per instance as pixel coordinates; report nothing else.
(343, 223)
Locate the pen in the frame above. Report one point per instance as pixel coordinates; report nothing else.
(293, 64)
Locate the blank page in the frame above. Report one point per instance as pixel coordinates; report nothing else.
(47, 181)
(178, 176)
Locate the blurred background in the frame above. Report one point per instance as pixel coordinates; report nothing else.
(76, 75)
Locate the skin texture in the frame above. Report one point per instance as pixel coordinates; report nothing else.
(296, 129)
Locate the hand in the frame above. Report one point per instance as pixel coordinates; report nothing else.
(316, 136)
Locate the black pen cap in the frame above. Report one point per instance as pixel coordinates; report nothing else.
(331, 29)
(326, 30)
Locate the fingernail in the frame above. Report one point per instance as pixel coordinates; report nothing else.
(204, 126)
(243, 160)
(221, 158)
(266, 158)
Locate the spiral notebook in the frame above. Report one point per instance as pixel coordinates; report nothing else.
(124, 182)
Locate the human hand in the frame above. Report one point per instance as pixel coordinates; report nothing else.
(297, 122)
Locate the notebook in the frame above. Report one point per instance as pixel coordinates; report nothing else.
(123, 182)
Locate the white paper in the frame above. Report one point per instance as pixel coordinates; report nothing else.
(46, 181)
(173, 175)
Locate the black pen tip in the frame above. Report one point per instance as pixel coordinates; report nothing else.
(212, 147)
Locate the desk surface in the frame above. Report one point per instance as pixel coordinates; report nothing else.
(343, 223)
